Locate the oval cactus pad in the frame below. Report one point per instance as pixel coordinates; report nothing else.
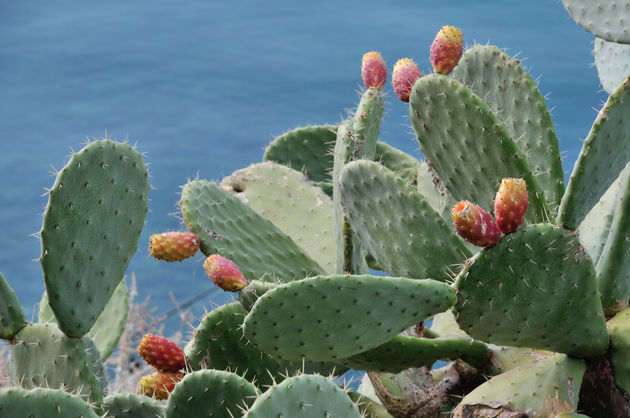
(91, 228)
(535, 288)
(331, 317)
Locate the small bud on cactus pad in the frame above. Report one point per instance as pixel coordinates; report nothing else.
(162, 353)
(224, 273)
(173, 246)
(474, 224)
(446, 49)
(404, 76)
(159, 385)
(373, 70)
(510, 204)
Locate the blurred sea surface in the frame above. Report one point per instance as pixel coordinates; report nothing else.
(203, 86)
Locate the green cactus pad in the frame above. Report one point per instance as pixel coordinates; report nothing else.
(367, 123)
(613, 63)
(286, 198)
(605, 153)
(619, 330)
(394, 222)
(227, 226)
(94, 358)
(402, 352)
(606, 20)
(333, 317)
(613, 265)
(130, 405)
(467, 146)
(514, 97)
(110, 324)
(350, 254)
(434, 192)
(368, 407)
(535, 288)
(219, 343)
(545, 388)
(254, 290)
(42, 403)
(595, 227)
(43, 356)
(398, 161)
(91, 228)
(307, 149)
(304, 396)
(210, 393)
(12, 317)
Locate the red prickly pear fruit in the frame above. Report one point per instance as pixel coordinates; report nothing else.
(446, 49)
(173, 246)
(404, 76)
(474, 224)
(159, 385)
(161, 353)
(224, 273)
(373, 70)
(510, 204)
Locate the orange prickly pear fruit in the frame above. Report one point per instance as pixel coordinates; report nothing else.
(404, 76)
(373, 70)
(224, 273)
(173, 246)
(159, 385)
(474, 224)
(510, 204)
(161, 353)
(446, 49)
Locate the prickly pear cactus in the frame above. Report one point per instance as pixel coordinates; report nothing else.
(91, 228)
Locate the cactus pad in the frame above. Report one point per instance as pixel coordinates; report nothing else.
(304, 396)
(306, 149)
(535, 288)
(613, 63)
(333, 317)
(12, 317)
(402, 352)
(286, 198)
(227, 226)
(110, 324)
(43, 356)
(619, 329)
(91, 228)
(606, 20)
(613, 266)
(367, 123)
(210, 393)
(42, 403)
(398, 161)
(130, 405)
(219, 343)
(514, 97)
(604, 154)
(545, 388)
(456, 131)
(394, 222)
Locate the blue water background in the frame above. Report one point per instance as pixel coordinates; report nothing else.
(203, 86)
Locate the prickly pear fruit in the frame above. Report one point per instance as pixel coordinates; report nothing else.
(474, 224)
(159, 385)
(510, 204)
(224, 273)
(173, 246)
(373, 70)
(162, 353)
(446, 49)
(404, 76)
